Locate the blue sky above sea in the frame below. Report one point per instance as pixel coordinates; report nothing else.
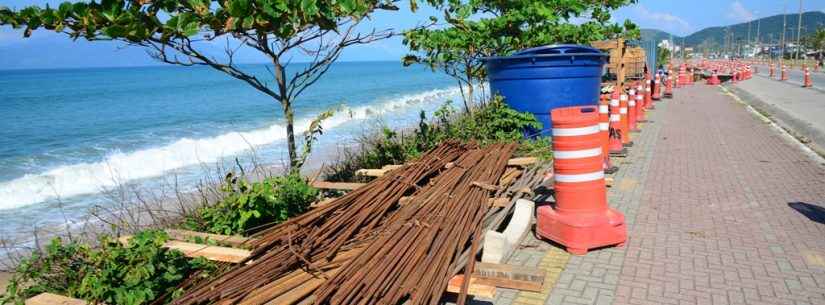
(49, 50)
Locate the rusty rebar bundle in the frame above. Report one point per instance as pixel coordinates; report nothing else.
(288, 259)
(413, 258)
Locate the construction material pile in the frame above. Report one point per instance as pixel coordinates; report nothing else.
(370, 246)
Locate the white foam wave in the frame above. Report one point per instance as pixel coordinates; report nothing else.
(119, 167)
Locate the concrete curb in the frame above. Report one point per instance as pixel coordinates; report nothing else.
(799, 129)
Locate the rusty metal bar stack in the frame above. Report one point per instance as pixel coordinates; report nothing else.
(309, 247)
(370, 247)
(413, 258)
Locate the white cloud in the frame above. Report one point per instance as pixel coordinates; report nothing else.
(666, 20)
(738, 12)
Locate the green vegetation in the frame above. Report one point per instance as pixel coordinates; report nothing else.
(112, 273)
(476, 29)
(249, 206)
(816, 41)
(492, 122)
(662, 57)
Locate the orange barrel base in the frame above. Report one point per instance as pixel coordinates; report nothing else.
(580, 232)
(580, 219)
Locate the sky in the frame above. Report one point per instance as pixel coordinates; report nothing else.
(681, 17)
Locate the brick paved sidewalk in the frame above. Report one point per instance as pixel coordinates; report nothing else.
(731, 212)
(722, 209)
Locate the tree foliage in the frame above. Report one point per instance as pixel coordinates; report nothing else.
(473, 29)
(182, 32)
(816, 41)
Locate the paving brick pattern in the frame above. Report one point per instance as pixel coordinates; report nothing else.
(594, 278)
(721, 209)
(731, 212)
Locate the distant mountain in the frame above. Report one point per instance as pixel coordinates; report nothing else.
(656, 35)
(769, 28)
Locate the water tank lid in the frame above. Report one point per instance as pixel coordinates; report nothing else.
(557, 50)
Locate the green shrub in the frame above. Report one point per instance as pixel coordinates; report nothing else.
(493, 122)
(489, 123)
(249, 206)
(113, 273)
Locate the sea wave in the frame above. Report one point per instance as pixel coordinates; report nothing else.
(121, 167)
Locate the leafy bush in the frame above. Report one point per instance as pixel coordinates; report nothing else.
(113, 273)
(490, 123)
(249, 206)
(494, 122)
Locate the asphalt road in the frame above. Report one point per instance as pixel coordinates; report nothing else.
(801, 110)
(796, 76)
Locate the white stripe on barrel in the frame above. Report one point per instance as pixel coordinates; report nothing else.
(614, 103)
(602, 108)
(577, 154)
(632, 103)
(578, 131)
(623, 97)
(623, 110)
(580, 177)
(615, 118)
(604, 126)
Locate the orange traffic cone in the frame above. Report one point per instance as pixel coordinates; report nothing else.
(808, 83)
(604, 129)
(771, 71)
(657, 90)
(714, 79)
(668, 86)
(631, 108)
(615, 141)
(784, 74)
(625, 122)
(640, 110)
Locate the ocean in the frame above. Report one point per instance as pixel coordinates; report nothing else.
(68, 136)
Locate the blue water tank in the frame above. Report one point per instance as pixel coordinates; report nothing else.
(538, 80)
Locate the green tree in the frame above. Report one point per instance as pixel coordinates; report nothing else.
(183, 33)
(473, 29)
(816, 41)
(662, 56)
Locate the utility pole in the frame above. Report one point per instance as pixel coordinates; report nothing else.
(747, 46)
(799, 31)
(784, 26)
(758, 43)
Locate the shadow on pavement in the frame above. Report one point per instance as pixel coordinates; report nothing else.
(813, 212)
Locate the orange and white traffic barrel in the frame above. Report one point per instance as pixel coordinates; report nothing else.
(807, 83)
(581, 219)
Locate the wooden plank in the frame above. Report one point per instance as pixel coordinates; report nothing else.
(370, 172)
(226, 240)
(53, 299)
(346, 186)
(509, 276)
(476, 289)
(377, 172)
(213, 253)
(498, 202)
(524, 161)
